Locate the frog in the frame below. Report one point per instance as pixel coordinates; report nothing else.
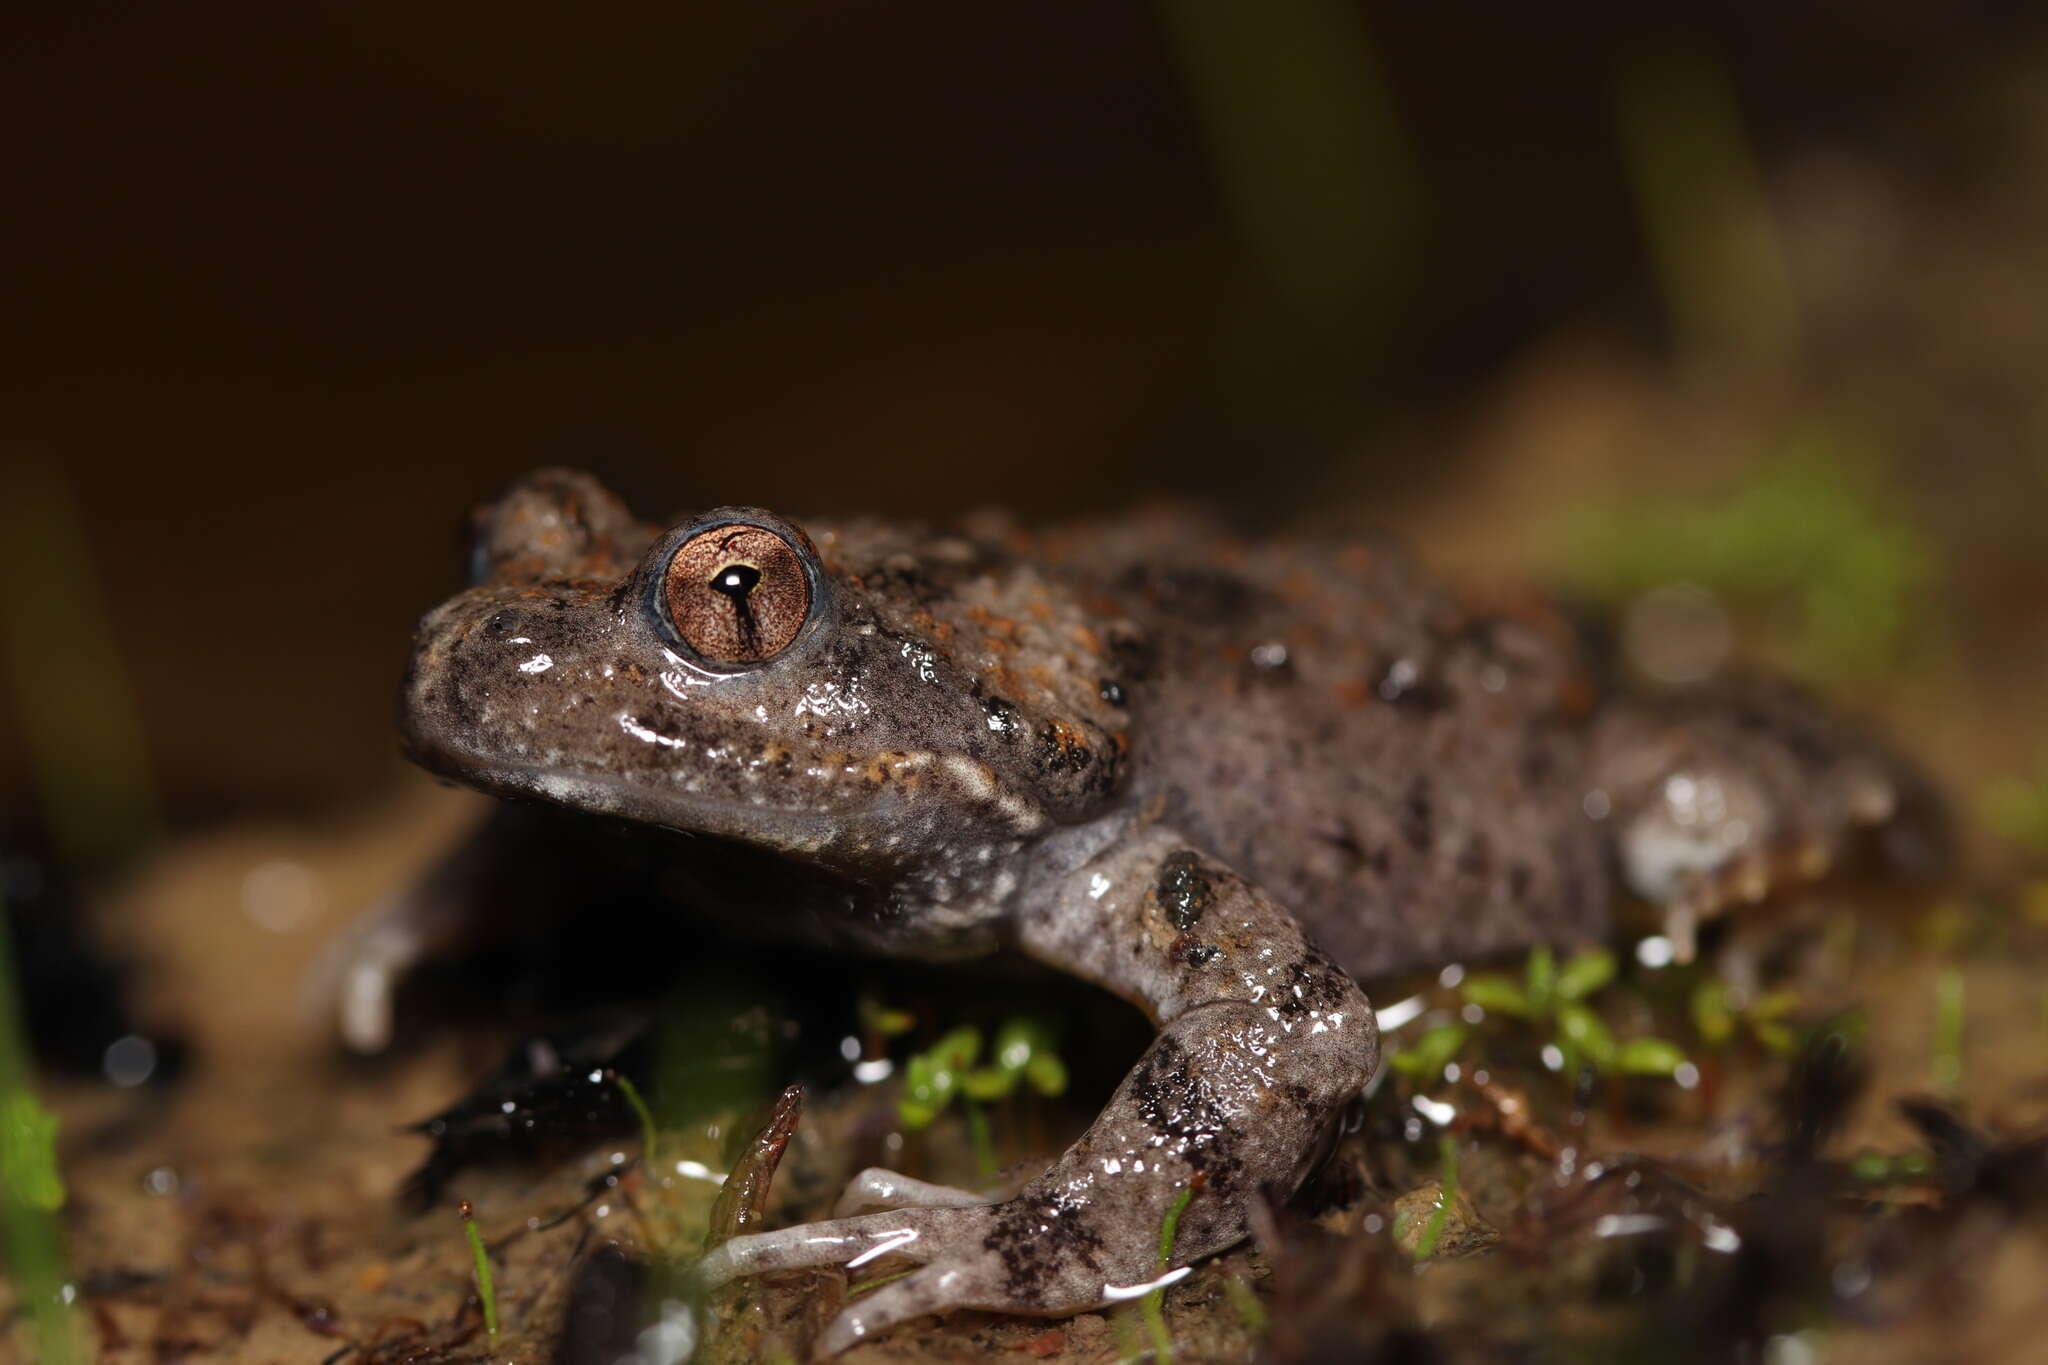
(1226, 777)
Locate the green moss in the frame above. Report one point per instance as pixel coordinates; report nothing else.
(1809, 531)
(1558, 996)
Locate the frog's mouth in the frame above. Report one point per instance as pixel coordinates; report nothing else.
(866, 817)
(654, 797)
(797, 833)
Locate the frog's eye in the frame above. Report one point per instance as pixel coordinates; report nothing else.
(737, 594)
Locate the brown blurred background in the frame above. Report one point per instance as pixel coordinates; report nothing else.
(290, 287)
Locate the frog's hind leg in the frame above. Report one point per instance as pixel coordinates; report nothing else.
(1262, 1040)
(1726, 793)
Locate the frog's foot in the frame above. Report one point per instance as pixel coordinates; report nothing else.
(358, 974)
(357, 977)
(1712, 841)
(1696, 895)
(1728, 794)
(1027, 1255)
(876, 1188)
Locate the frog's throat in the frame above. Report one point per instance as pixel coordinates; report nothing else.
(798, 833)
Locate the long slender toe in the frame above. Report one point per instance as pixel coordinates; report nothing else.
(931, 1290)
(876, 1188)
(852, 1242)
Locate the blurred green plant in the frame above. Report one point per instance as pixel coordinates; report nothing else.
(1949, 1017)
(1700, 195)
(1249, 1310)
(1025, 1053)
(717, 1046)
(1304, 136)
(1718, 1015)
(31, 1190)
(880, 1021)
(1873, 1167)
(1554, 997)
(28, 1152)
(80, 724)
(2015, 808)
(1312, 164)
(1808, 530)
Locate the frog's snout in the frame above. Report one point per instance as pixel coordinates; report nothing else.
(478, 692)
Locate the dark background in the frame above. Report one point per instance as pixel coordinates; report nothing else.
(291, 286)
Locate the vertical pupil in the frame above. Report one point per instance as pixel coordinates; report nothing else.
(735, 580)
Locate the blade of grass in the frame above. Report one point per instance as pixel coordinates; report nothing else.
(643, 1114)
(486, 1290)
(79, 719)
(1305, 138)
(1948, 1029)
(1703, 207)
(1447, 1195)
(1153, 1306)
(31, 1190)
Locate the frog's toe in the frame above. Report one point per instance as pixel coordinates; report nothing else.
(852, 1242)
(876, 1188)
(359, 973)
(932, 1289)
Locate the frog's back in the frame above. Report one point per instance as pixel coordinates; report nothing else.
(1405, 770)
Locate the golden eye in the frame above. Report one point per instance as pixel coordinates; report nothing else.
(737, 594)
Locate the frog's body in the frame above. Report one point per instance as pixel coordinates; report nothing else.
(1144, 752)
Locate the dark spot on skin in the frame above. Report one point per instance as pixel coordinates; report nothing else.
(1061, 750)
(1182, 889)
(1002, 717)
(1518, 881)
(1313, 984)
(1178, 1106)
(1418, 815)
(1475, 859)
(1037, 1241)
(1193, 952)
(1112, 691)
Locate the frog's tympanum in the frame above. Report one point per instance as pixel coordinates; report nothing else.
(1221, 778)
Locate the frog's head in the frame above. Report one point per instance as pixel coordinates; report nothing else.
(848, 705)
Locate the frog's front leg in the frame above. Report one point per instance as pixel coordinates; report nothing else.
(1261, 1039)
